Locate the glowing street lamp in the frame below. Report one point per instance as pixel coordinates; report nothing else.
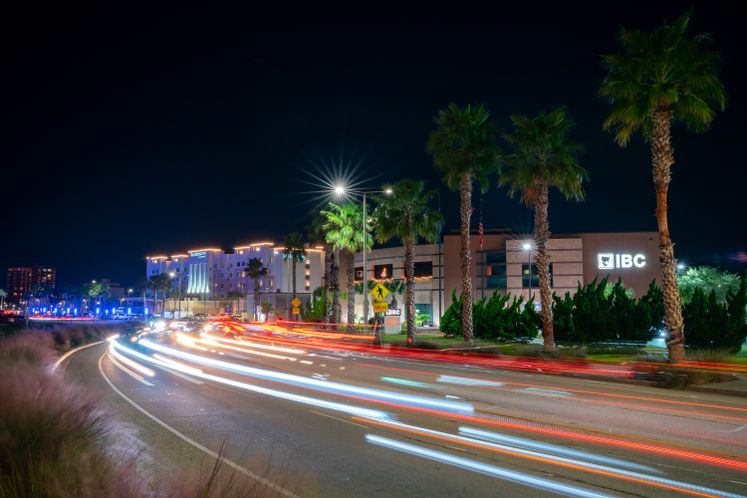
(528, 248)
(339, 191)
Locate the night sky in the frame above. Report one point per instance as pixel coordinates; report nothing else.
(134, 132)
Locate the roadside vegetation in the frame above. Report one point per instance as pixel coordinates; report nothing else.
(55, 439)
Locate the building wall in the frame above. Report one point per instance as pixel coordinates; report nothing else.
(212, 273)
(21, 280)
(428, 290)
(574, 258)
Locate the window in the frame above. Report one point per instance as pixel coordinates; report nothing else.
(534, 276)
(358, 273)
(423, 269)
(382, 272)
(495, 257)
(238, 263)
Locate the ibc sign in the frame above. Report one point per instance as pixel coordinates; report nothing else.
(612, 261)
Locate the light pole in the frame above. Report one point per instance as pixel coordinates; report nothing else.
(340, 191)
(528, 248)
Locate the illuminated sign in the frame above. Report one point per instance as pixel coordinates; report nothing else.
(613, 261)
(201, 254)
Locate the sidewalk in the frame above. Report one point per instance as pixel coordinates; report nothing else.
(736, 387)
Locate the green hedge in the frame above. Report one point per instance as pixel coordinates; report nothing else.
(494, 318)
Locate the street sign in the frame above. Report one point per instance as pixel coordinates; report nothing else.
(394, 312)
(380, 307)
(379, 292)
(296, 302)
(296, 311)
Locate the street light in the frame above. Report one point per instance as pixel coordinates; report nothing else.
(528, 248)
(340, 190)
(681, 266)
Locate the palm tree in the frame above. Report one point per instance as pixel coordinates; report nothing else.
(344, 233)
(543, 156)
(160, 282)
(235, 295)
(407, 215)
(395, 287)
(295, 252)
(3, 295)
(317, 236)
(464, 149)
(657, 79)
(255, 270)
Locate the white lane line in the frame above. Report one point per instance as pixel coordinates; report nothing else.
(129, 372)
(73, 351)
(340, 419)
(185, 377)
(194, 443)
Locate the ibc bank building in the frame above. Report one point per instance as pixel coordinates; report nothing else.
(506, 265)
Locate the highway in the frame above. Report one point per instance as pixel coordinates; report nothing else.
(313, 413)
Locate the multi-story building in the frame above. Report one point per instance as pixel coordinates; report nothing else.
(212, 273)
(507, 264)
(21, 280)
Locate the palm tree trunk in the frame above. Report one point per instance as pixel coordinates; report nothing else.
(335, 284)
(465, 210)
(351, 289)
(541, 236)
(256, 300)
(662, 156)
(410, 290)
(325, 310)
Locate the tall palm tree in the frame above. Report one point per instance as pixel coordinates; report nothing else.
(160, 282)
(464, 149)
(3, 295)
(295, 252)
(317, 236)
(407, 215)
(344, 233)
(255, 270)
(235, 296)
(543, 156)
(657, 79)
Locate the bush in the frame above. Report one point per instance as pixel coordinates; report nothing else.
(494, 318)
(600, 311)
(713, 325)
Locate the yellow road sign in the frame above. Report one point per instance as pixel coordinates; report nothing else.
(380, 307)
(379, 292)
(295, 302)
(296, 311)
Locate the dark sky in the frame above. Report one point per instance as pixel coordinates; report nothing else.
(133, 132)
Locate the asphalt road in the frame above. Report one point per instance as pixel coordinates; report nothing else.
(318, 420)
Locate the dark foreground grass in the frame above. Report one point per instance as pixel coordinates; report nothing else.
(54, 439)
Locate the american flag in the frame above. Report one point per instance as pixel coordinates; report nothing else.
(480, 233)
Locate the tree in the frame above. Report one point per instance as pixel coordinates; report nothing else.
(255, 270)
(407, 215)
(295, 252)
(344, 233)
(708, 279)
(657, 79)
(543, 156)
(317, 236)
(464, 149)
(160, 282)
(100, 291)
(266, 310)
(235, 295)
(3, 295)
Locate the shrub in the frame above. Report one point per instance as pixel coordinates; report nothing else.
(714, 325)
(493, 318)
(600, 311)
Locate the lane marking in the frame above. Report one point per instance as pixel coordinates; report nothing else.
(340, 419)
(129, 372)
(75, 350)
(194, 443)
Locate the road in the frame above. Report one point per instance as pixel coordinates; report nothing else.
(312, 415)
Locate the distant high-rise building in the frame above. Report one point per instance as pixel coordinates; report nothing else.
(20, 280)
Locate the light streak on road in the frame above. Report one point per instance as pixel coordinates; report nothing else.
(188, 341)
(377, 395)
(330, 405)
(213, 343)
(256, 345)
(467, 380)
(483, 468)
(589, 467)
(130, 363)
